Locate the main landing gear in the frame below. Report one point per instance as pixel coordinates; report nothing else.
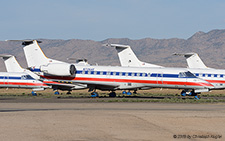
(56, 91)
(129, 93)
(191, 93)
(94, 94)
(34, 93)
(112, 94)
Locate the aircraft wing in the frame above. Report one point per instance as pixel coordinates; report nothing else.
(102, 87)
(64, 85)
(193, 60)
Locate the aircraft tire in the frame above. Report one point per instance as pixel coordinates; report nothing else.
(112, 94)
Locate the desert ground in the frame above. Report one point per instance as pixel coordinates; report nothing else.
(81, 119)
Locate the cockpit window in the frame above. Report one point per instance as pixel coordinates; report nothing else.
(187, 74)
(23, 77)
(29, 77)
(26, 77)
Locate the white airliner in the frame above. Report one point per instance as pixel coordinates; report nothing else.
(17, 77)
(195, 66)
(111, 78)
(13, 67)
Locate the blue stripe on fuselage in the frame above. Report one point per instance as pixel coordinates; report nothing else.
(130, 74)
(17, 78)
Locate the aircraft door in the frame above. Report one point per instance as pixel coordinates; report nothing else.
(160, 78)
(6, 79)
(24, 79)
(184, 75)
(108, 74)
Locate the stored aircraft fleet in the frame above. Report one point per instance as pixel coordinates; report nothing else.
(132, 75)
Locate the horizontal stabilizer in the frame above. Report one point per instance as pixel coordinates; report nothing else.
(25, 42)
(116, 45)
(5, 55)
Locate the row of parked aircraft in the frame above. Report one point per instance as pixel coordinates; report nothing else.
(133, 74)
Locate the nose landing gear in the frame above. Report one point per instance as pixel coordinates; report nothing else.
(191, 93)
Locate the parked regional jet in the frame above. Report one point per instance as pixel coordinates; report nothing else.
(195, 64)
(12, 66)
(17, 77)
(110, 77)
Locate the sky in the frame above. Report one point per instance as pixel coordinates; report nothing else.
(102, 19)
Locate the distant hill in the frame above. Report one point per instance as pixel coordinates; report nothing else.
(210, 46)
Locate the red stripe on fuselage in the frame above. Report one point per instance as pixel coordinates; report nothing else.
(216, 81)
(128, 81)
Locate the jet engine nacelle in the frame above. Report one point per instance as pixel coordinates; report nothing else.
(59, 69)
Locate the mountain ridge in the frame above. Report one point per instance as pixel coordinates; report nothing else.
(210, 46)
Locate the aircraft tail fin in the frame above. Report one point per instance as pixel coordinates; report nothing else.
(34, 55)
(11, 63)
(128, 58)
(193, 60)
